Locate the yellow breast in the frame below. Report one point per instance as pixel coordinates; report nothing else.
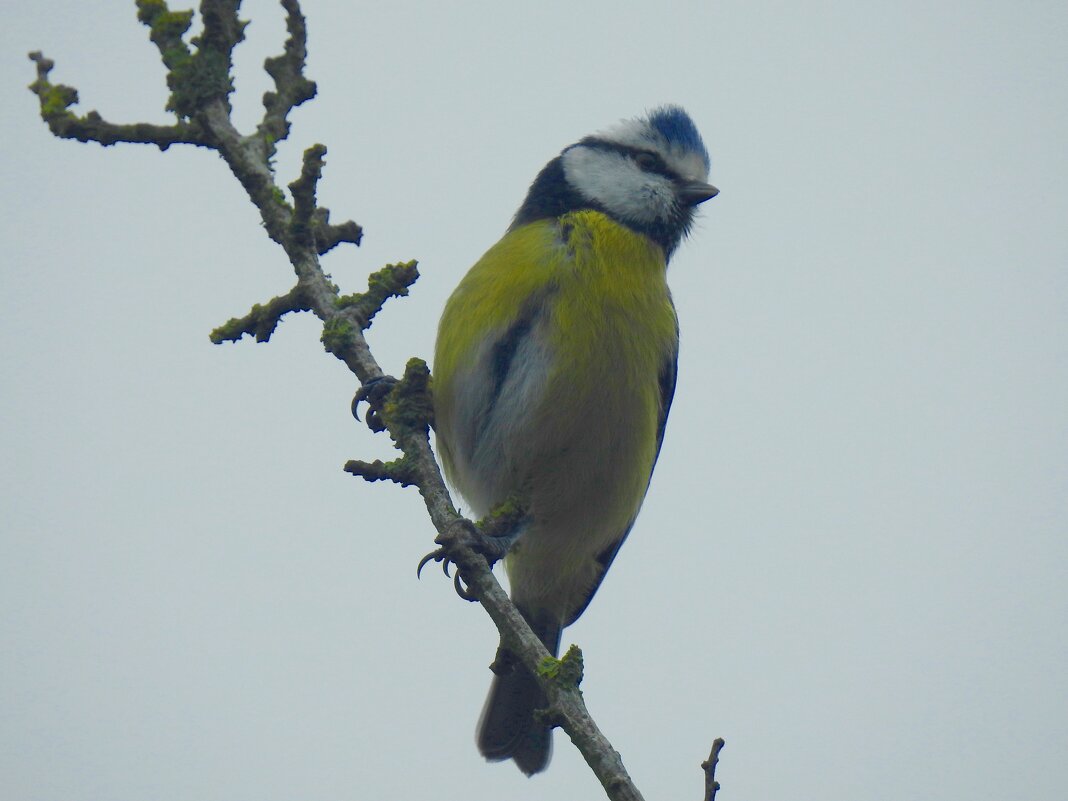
(585, 399)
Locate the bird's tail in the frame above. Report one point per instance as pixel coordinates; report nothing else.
(507, 728)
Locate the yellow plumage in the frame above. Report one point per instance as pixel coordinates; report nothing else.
(578, 447)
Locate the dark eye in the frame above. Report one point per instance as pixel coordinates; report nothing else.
(648, 162)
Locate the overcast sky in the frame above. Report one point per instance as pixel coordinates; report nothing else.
(852, 563)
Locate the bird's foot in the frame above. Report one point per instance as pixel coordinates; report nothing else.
(487, 539)
(374, 392)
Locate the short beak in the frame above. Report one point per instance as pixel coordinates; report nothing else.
(697, 192)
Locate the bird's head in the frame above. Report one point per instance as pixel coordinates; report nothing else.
(647, 173)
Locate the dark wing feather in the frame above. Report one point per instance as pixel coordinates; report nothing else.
(502, 358)
(668, 374)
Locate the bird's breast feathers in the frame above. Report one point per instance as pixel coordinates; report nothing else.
(567, 325)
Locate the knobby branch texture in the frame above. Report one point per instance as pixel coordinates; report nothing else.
(709, 767)
(200, 83)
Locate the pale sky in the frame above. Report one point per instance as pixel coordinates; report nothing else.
(852, 563)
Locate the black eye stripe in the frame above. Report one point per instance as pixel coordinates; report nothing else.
(647, 160)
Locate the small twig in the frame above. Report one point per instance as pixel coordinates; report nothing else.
(303, 190)
(328, 237)
(287, 70)
(197, 77)
(398, 471)
(262, 320)
(392, 281)
(709, 767)
(55, 102)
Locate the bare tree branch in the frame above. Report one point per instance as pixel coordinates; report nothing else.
(287, 70)
(709, 767)
(262, 320)
(200, 83)
(56, 99)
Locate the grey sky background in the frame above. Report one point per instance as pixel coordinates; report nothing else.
(851, 563)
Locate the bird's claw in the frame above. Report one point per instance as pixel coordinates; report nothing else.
(463, 591)
(374, 392)
(437, 555)
(491, 548)
(440, 555)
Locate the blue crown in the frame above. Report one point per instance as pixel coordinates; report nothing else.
(677, 128)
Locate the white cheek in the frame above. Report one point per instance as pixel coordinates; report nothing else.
(615, 182)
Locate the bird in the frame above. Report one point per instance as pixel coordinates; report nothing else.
(554, 371)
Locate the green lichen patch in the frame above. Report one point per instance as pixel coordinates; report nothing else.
(55, 100)
(197, 80)
(410, 404)
(337, 335)
(565, 672)
(166, 29)
(503, 519)
(392, 281)
(193, 78)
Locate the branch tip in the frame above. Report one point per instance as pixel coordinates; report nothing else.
(55, 101)
(303, 190)
(196, 77)
(399, 471)
(262, 320)
(392, 281)
(287, 71)
(328, 237)
(709, 767)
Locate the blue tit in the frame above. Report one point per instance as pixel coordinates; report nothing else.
(553, 374)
